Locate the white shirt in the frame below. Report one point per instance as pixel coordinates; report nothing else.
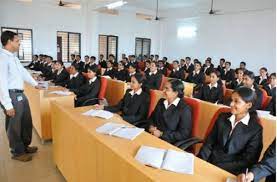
(175, 102)
(153, 73)
(12, 76)
(211, 86)
(92, 80)
(75, 75)
(244, 120)
(196, 72)
(262, 79)
(137, 92)
(177, 69)
(239, 82)
(59, 72)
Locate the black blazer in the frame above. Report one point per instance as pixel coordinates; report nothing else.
(272, 105)
(177, 74)
(208, 70)
(189, 69)
(75, 83)
(80, 65)
(121, 75)
(147, 71)
(267, 166)
(87, 91)
(153, 81)
(220, 69)
(235, 153)
(234, 84)
(109, 73)
(133, 108)
(257, 80)
(197, 78)
(175, 122)
(269, 91)
(215, 94)
(228, 76)
(161, 71)
(86, 66)
(259, 93)
(62, 78)
(103, 64)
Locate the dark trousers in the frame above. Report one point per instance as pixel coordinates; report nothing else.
(19, 127)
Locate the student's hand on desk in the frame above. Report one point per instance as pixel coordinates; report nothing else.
(152, 129)
(248, 178)
(157, 133)
(99, 107)
(10, 112)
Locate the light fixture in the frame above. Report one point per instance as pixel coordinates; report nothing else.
(116, 4)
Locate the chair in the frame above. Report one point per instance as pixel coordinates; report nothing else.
(164, 80)
(168, 72)
(101, 95)
(195, 108)
(85, 75)
(170, 66)
(155, 96)
(184, 145)
(141, 65)
(264, 99)
(268, 100)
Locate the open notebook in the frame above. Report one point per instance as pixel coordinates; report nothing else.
(99, 113)
(120, 130)
(171, 160)
(231, 180)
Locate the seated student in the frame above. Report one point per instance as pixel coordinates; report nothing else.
(248, 81)
(270, 88)
(197, 76)
(51, 75)
(182, 64)
(262, 79)
(147, 67)
(134, 105)
(242, 66)
(228, 73)
(72, 58)
(236, 139)
(221, 66)
(208, 66)
(89, 89)
(87, 62)
(212, 92)
(161, 67)
(102, 62)
(189, 67)
(121, 73)
(111, 58)
(61, 77)
(239, 79)
(131, 72)
(176, 72)
(76, 79)
(33, 62)
(109, 70)
(125, 62)
(79, 63)
(47, 67)
(153, 79)
(265, 168)
(171, 118)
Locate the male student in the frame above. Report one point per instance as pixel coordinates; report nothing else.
(79, 63)
(177, 72)
(76, 79)
(228, 74)
(221, 66)
(13, 100)
(153, 79)
(61, 77)
(197, 76)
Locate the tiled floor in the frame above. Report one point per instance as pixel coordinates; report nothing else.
(40, 169)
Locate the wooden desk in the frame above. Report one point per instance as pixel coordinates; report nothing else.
(40, 108)
(82, 154)
(115, 91)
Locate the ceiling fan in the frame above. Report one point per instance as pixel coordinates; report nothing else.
(213, 11)
(69, 5)
(157, 17)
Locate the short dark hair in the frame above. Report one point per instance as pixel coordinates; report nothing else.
(237, 70)
(59, 62)
(76, 66)
(132, 65)
(93, 57)
(222, 59)
(93, 69)
(139, 77)
(188, 58)
(216, 72)
(228, 62)
(86, 56)
(177, 86)
(165, 58)
(6, 36)
(243, 63)
(197, 62)
(273, 74)
(250, 74)
(263, 68)
(78, 56)
(176, 61)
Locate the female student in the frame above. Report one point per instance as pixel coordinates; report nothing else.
(89, 90)
(249, 82)
(171, 119)
(235, 142)
(212, 92)
(153, 79)
(177, 72)
(271, 86)
(109, 70)
(239, 79)
(134, 105)
(131, 72)
(262, 79)
(120, 73)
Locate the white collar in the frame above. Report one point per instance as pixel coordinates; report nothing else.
(253, 88)
(263, 78)
(145, 69)
(75, 75)
(5, 51)
(244, 120)
(92, 80)
(59, 71)
(161, 68)
(269, 85)
(239, 82)
(92, 63)
(153, 73)
(188, 64)
(211, 86)
(194, 72)
(137, 92)
(174, 70)
(131, 74)
(175, 102)
(108, 69)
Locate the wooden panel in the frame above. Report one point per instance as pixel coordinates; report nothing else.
(115, 91)
(82, 154)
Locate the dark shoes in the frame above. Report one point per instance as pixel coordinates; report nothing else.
(31, 150)
(23, 157)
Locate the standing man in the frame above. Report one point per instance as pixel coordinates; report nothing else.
(13, 100)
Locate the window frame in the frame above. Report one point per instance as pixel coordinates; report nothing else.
(32, 42)
(142, 39)
(107, 52)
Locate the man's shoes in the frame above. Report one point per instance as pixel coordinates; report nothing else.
(31, 150)
(23, 157)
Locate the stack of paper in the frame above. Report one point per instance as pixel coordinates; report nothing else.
(43, 84)
(99, 113)
(171, 160)
(64, 93)
(265, 114)
(231, 180)
(120, 130)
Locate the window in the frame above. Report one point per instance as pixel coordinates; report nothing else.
(108, 44)
(143, 47)
(25, 52)
(68, 43)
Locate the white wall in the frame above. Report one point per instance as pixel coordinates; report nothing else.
(247, 36)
